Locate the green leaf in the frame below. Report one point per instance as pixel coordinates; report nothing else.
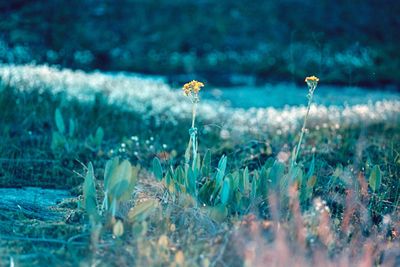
(109, 171)
(221, 170)
(188, 151)
(264, 184)
(120, 189)
(58, 141)
(234, 177)
(219, 176)
(59, 121)
(132, 183)
(205, 192)
(296, 174)
(198, 164)
(142, 210)
(276, 173)
(121, 180)
(191, 182)
(180, 175)
(244, 183)
(206, 166)
(254, 185)
(311, 169)
(157, 169)
(375, 178)
(269, 163)
(98, 138)
(226, 191)
(168, 178)
(89, 194)
(71, 127)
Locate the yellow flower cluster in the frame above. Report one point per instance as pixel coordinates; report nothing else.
(192, 87)
(312, 81)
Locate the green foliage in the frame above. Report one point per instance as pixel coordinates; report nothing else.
(307, 181)
(226, 191)
(63, 141)
(222, 192)
(157, 169)
(142, 210)
(119, 182)
(375, 178)
(59, 121)
(94, 142)
(89, 194)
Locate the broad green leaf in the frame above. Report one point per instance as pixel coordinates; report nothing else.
(296, 174)
(219, 176)
(188, 151)
(269, 163)
(253, 193)
(198, 164)
(142, 210)
(264, 184)
(89, 193)
(98, 138)
(205, 192)
(180, 175)
(121, 178)
(234, 177)
(128, 191)
(157, 169)
(191, 182)
(255, 184)
(120, 189)
(71, 127)
(221, 170)
(206, 166)
(226, 191)
(59, 121)
(168, 178)
(375, 178)
(109, 171)
(244, 181)
(58, 141)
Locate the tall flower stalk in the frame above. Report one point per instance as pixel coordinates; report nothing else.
(192, 89)
(312, 83)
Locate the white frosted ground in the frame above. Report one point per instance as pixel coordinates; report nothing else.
(153, 97)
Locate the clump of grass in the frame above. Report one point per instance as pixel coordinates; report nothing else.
(222, 192)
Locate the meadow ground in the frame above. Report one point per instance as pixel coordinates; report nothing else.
(337, 205)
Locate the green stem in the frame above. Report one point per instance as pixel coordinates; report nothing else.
(303, 129)
(194, 113)
(193, 135)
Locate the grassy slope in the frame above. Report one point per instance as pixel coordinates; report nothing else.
(27, 120)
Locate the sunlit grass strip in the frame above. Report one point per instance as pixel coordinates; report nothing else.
(153, 97)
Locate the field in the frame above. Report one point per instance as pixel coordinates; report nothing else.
(137, 180)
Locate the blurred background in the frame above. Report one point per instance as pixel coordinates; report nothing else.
(226, 42)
